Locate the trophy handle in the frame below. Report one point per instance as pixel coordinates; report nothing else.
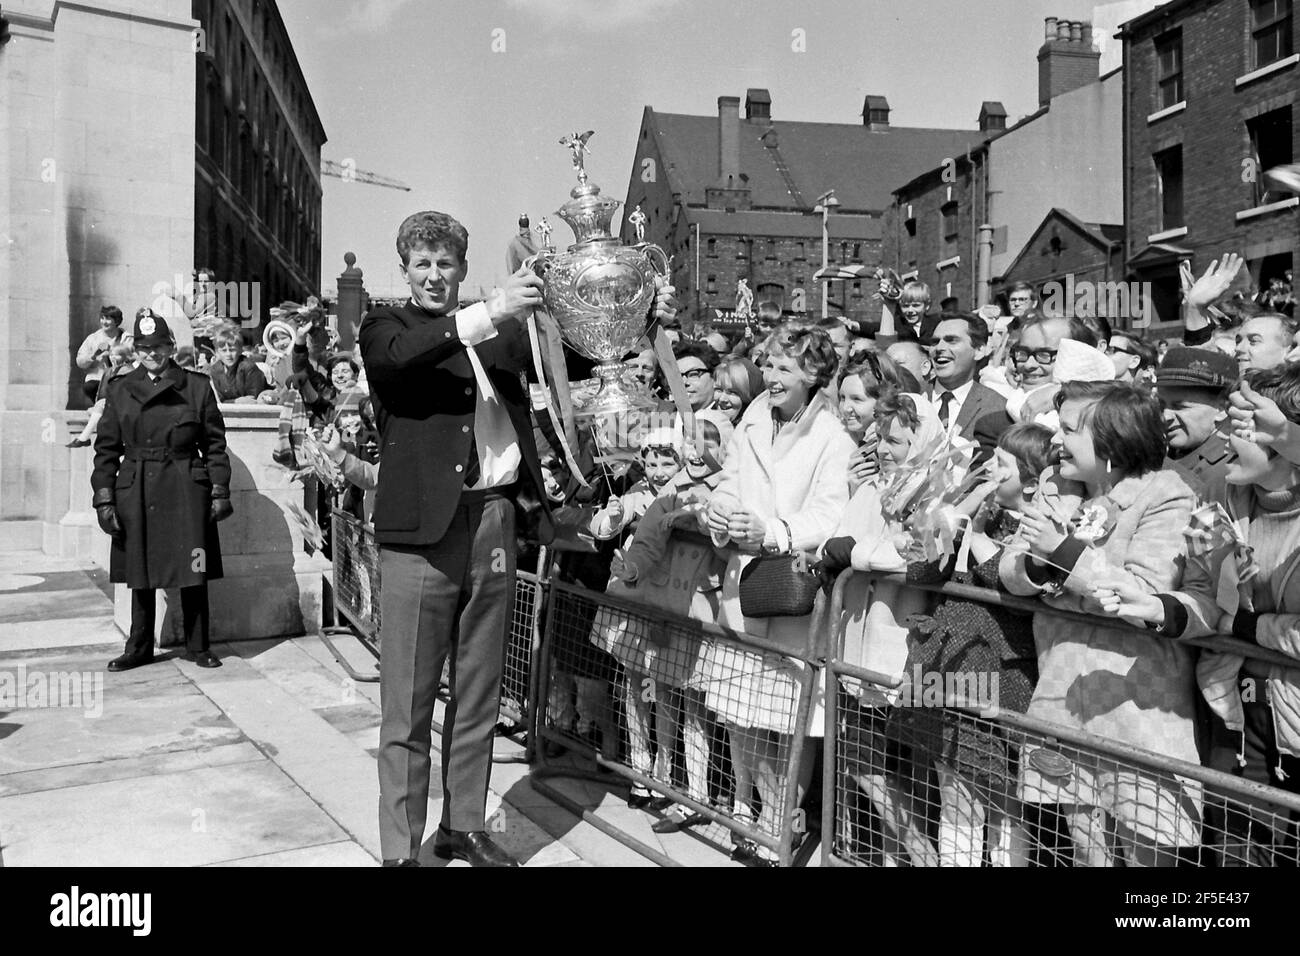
(539, 263)
(659, 260)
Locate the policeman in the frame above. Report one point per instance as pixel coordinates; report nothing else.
(161, 482)
(1193, 385)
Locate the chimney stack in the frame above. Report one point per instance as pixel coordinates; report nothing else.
(1066, 60)
(729, 141)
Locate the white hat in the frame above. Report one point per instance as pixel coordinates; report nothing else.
(1080, 362)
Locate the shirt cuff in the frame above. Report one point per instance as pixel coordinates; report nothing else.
(1037, 572)
(1199, 337)
(474, 324)
(1175, 617)
(1245, 625)
(1067, 554)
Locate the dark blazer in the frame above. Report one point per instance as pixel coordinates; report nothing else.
(425, 396)
(982, 419)
(159, 449)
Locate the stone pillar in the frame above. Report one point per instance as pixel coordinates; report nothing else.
(97, 118)
(350, 305)
(272, 587)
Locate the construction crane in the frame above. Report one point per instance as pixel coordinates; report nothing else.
(348, 172)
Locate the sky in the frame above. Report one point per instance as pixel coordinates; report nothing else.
(466, 101)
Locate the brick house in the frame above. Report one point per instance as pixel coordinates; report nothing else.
(1209, 96)
(731, 197)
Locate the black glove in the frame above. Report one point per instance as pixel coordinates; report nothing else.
(108, 522)
(838, 553)
(221, 508)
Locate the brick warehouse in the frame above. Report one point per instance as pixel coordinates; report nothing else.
(732, 197)
(1210, 89)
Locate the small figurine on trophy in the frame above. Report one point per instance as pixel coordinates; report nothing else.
(637, 219)
(744, 300)
(544, 230)
(577, 143)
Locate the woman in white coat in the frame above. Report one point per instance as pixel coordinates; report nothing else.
(783, 489)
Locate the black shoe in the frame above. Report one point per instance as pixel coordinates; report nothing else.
(678, 820)
(204, 659)
(79, 443)
(129, 661)
(746, 851)
(476, 848)
(648, 801)
(405, 861)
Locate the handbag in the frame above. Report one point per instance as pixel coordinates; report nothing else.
(778, 585)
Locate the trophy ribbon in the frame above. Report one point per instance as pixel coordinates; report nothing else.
(663, 350)
(564, 424)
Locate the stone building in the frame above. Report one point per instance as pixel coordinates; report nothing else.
(733, 197)
(1210, 89)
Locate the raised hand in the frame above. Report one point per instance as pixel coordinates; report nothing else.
(665, 300)
(1040, 531)
(1126, 600)
(1215, 282)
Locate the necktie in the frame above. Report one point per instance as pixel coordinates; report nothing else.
(944, 399)
(472, 470)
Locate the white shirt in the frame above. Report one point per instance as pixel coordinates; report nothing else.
(959, 396)
(494, 433)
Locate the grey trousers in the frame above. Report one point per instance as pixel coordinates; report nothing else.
(454, 597)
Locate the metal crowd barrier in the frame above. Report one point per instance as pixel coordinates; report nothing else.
(355, 584)
(671, 704)
(966, 784)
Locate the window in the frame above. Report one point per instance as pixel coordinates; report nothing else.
(1270, 145)
(1169, 70)
(857, 288)
(948, 220)
(1270, 31)
(910, 225)
(801, 250)
(857, 252)
(711, 285)
(1169, 177)
(712, 246)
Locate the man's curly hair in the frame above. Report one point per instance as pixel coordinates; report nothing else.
(432, 229)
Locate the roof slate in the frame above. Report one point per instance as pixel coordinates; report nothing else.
(861, 165)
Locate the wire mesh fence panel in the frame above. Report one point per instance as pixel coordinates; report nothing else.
(518, 661)
(697, 715)
(928, 782)
(355, 565)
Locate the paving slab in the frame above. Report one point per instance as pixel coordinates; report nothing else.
(342, 853)
(177, 819)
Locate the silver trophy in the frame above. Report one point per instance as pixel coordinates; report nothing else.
(600, 292)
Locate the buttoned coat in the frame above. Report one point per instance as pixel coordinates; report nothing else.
(425, 398)
(160, 448)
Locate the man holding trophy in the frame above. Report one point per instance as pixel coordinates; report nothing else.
(457, 455)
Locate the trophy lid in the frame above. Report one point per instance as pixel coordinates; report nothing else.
(588, 213)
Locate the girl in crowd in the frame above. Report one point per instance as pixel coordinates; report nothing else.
(662, 685)
(860, 384)
(975, 769)
(1253, 736)
(736, 382)
(782, 489)
(873, 535)
(1108, 514)
(660, 461)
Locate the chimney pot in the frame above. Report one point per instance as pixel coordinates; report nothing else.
(1076, 32)
(1063, 30)
(1087, 35)
(1049, 28)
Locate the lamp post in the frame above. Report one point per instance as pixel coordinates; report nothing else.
(825, 203)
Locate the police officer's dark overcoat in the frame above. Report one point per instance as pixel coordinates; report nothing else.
(160, 448)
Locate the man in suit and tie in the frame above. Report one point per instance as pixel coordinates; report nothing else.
(458, 457)
(966, 408)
